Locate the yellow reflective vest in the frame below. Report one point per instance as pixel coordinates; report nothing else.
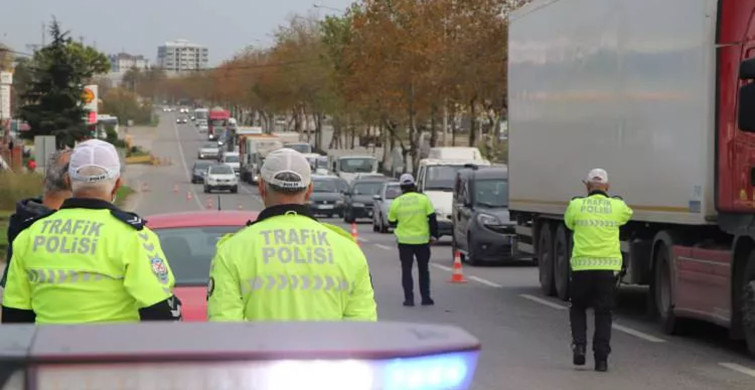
(287, 266)
(595, 221)
(87, 262)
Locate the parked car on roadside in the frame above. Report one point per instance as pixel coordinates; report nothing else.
(482, 230)
(221, 177)
(199, 170)
(383, 200)
(327, 196)
(359, 198)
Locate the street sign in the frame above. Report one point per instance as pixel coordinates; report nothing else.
(89, 98)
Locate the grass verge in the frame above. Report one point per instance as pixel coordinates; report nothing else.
(121, 195)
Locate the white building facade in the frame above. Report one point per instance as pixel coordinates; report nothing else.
(182, 55)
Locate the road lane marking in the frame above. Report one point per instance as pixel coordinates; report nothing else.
(637, 333)
(360, 239)
(385, 247)
(543, 301)
(485, 282)
(443, 267)
(739, 368)
(186, 168)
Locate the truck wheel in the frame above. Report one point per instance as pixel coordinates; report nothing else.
(561, 257)
(663, 292)
(748, 304)
(545, 259)
(375, 225)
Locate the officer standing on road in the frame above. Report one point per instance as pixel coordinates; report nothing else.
(595, 263)
(416, 228)
(286, 265)
(89, 261)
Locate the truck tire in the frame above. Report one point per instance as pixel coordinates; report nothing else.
(561, 259)
(663, 290)
(748, 304)
(545, 259)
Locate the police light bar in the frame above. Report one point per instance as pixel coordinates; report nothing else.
(265, 356)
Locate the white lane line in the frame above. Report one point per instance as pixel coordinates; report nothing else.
(637, 333)
(485, 282)
(739, 368)
(186, 168)
(360, 239)
(385, 247)
(443, 267)
(543, 301)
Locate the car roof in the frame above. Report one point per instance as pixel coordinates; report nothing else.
(372, 179)
(200, 219)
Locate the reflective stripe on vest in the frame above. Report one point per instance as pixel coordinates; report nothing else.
(57, 276)
(295, 282)
(585, 263)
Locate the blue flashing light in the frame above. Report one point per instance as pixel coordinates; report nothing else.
(438, 372)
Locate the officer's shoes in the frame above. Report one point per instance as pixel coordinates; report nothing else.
(428, 302)
(578, 355)
(408, 303)
(601, 365)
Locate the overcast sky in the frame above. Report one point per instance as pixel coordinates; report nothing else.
(139, 26)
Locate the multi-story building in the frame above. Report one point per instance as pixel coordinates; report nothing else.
(122, 62)
(182, 55)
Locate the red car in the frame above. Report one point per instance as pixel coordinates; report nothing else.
(188, 241)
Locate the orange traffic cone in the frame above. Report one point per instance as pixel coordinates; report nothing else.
(355, 232)
(188, 195)
(208, 204)
(457, 276)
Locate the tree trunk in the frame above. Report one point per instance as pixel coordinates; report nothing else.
(473, 122)
(433, 127)
(318, 131)
(413, 138)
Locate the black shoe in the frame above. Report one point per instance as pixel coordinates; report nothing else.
(578, 355)
(601, 365)
(408, 303)
(428, 302)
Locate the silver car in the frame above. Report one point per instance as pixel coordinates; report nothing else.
(209, 150)
(383, 200)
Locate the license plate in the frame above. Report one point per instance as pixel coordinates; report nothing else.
(326, 206)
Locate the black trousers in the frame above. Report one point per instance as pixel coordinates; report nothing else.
(594, 289)
(407, 253)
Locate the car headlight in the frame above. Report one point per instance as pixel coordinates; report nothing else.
(357, 204)
(487, 219)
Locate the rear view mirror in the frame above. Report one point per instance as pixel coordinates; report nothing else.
(376, 197)
(746, 106)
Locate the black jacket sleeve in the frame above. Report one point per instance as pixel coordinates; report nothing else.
(166, 310)
(18, 316)
(432, 219)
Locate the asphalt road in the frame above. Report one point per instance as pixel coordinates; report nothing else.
(525, 337)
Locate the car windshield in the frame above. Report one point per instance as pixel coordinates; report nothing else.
(210, 146)
(371, 188)
(321, 163)
(441, 177)
(201, 165)
(231, 159)
(221, 170)
(492, 193)
(392, 192)
(325, 185)
(357, 165)
(190, 250)
(301, 148)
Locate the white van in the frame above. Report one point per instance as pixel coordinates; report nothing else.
(455, 153)
(435, 178)
(233, 160)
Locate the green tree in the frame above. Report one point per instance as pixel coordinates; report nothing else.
(58, 74)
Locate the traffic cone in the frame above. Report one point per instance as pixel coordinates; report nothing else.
(188, 195)
(208, 204)
(175, 188)
(240, 206)
(457, 276)
(355, 232)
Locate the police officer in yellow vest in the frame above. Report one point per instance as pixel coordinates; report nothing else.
(595, 263)
(287, 266)
(89, 261)
(413, 215)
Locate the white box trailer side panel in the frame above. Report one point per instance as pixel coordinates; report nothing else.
(626, 85)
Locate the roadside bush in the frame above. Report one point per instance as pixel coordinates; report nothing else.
(17, 186)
